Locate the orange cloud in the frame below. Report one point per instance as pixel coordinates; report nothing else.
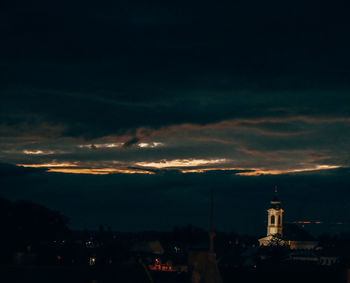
(180, 163)
(99, 171)
(258, 172)
(49, 165)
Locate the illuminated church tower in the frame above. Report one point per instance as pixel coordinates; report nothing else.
(300, 239)
(275, 215)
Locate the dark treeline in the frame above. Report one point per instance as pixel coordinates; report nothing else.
(30, 228)
(26, 225)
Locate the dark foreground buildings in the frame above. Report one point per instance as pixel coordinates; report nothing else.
(50, 252)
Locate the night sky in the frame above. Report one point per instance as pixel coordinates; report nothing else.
(128, 113)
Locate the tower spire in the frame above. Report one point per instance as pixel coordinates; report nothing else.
(208, 271)
(275, 200)
(211, 230)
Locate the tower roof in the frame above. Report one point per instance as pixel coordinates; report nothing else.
(275, 202)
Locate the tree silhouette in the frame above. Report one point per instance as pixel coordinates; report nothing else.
(25, 224)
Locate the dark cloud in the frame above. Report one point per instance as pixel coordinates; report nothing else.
(252, 85)
(131, 142)
(109, 68)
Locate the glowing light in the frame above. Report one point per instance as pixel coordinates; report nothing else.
(37, 152)
(92, 261)
(203, 170)
(150, 145)
(308, 222)
(181, 163)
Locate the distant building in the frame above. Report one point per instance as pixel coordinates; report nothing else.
(303, 255)
(285, 235)
(330, 255)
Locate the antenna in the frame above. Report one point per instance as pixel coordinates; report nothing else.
(211, 211)
(211, 230)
